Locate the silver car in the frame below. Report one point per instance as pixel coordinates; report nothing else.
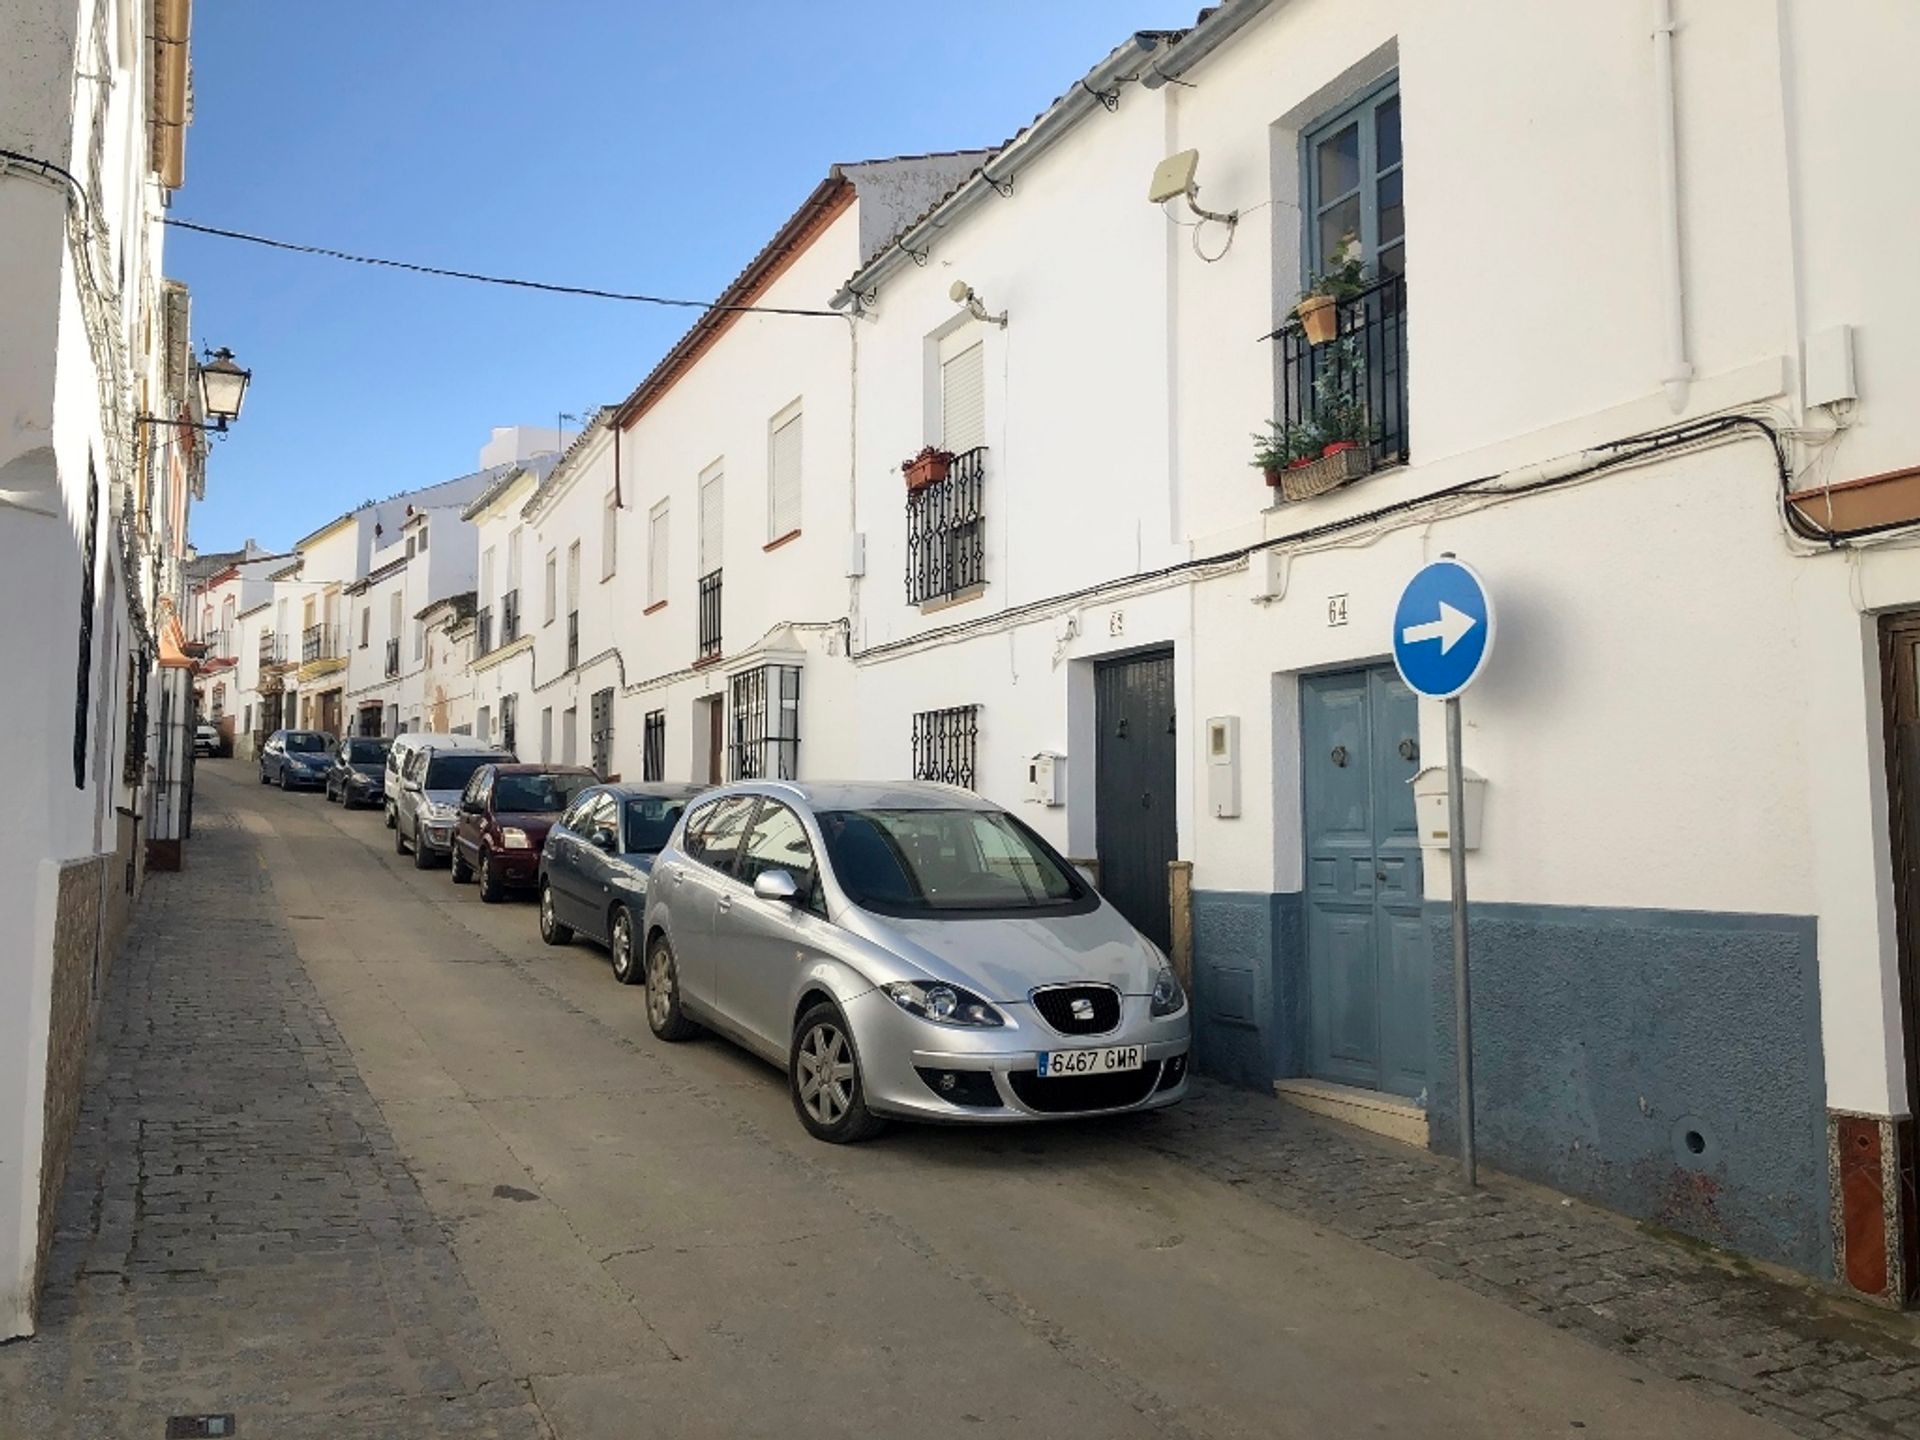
(906, 951)
(428, 804)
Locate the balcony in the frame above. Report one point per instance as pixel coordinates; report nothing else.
(483, 632)
(946, 544)
(319, 642)
(573, 639)
(272, 649)
(393, 657)
(509, 617)
(1353, 387)
(709, 615)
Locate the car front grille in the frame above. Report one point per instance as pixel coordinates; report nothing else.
(1078, 1009)
(1069, 1094)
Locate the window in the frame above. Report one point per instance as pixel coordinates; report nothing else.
(219, 702)
(650, 820)
(713, 834)
(569, 736)
(536, 794)
(246, 719)
(765, 742)
(546, 735)
(553, 586)
(486, 578)
(226, 613)
(609, 535)
(478, 787)
(419, 639)
(423, 537)
(653, 754)
(909, 862)
(601, 817)
(481, 723)
(600, 732)
(946, 539)
(657, 554)
(410, 545)
(943, 745)
(1354, 200)
(509, 713)
(366, 625)
(778, 841)
(963, 392)
(573, 577)
(393, 615)
(83, 670)
(712, 519)
(783, 476)
(513, 558)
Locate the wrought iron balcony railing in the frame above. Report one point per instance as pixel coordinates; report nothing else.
(573, 639)
(946, 542)
(1355, 385)
(709, 614)
(272, 651)
(393, 657)
(509, 617)
(319, 642)
(483, 631)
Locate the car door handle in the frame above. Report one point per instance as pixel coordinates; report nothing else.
(725, 904)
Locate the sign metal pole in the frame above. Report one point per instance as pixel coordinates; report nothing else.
(1462, 1009)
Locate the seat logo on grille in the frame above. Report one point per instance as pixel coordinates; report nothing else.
(1082, 1009)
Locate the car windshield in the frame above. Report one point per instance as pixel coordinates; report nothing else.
(366, 752)
(535, 793)
(451, 772)
(650, 820)
(914, 861)
(305, 741)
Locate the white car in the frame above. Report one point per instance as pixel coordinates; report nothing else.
(206, 738)
(404, 747)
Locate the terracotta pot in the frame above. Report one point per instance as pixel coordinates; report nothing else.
(1273, 476)
(1336, 446)
(1318, 318)
(927, 468)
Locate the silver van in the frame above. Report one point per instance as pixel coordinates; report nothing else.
(406, 745)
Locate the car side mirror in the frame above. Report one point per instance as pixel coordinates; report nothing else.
(776, 885)
(603, 840)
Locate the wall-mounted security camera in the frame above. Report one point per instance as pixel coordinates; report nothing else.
(961, 293)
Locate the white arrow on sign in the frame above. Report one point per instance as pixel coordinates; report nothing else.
(1450, 629)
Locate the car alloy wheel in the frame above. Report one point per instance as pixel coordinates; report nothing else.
(620, 936)
(824, 1076)
(492, 889)
(664, 1016)
(551, 930)
(283, 779)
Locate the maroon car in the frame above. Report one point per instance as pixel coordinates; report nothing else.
(505, 814)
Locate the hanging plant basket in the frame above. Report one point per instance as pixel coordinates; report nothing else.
(1319, 317)
(1338, 465)
(927, 468)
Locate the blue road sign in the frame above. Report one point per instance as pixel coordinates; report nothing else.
(1442, 629)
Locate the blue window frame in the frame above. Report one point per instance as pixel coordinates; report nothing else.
(1352, 165)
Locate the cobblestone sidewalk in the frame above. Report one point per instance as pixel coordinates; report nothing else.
(237, 1232)
(1815, 1364)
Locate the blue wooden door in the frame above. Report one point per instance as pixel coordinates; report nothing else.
(1366, 940)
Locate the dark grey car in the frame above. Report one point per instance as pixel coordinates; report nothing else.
(596, 863)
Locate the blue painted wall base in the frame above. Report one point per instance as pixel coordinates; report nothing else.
(1249, 986)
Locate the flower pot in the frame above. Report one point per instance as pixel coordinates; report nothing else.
(927, 468)
(1311, 477)
(1273, 476)
(1319, 318)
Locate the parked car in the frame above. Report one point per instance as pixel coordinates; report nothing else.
(207, 739)
(594, 868)
(403, 746)
(431, 785)
(906, 951)
(504, 818)
(358, 775)
(293, 758)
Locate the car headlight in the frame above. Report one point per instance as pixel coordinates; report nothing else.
(514, 838)
(1168, 997)
(943, 1004)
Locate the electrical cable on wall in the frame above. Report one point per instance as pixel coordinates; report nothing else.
(547, 286)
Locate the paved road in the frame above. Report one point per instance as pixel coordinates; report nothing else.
(362, 1157)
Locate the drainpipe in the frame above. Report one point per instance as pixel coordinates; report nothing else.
(1677, 371)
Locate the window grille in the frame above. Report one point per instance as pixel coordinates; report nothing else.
(653, 762)
(946, 542)
(765, 738)
(944, 743)
(709, 615)
(509, 731)
(600, 717)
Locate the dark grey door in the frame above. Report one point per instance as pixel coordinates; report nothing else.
(1366, 940)
(1134, 788)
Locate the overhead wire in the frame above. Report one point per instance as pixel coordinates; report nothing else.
(547, 286)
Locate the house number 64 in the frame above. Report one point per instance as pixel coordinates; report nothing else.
(1336, 609)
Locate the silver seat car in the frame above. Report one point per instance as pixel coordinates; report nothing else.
(909, 951)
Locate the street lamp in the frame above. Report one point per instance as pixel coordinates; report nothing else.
(223, 388)
(223, 385)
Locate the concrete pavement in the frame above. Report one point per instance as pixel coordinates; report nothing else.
(504, 1208)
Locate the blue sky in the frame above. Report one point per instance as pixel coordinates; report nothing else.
(626, 144)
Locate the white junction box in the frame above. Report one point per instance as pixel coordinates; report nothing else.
(1047, 778)
(1430, 806)
(1223, 766)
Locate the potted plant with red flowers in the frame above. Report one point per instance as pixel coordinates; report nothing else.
(1284, 447)
(929, 467)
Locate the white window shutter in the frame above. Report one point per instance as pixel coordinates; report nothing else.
(712, 534)
(783, 490)
(963, 401)
(657, 554)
